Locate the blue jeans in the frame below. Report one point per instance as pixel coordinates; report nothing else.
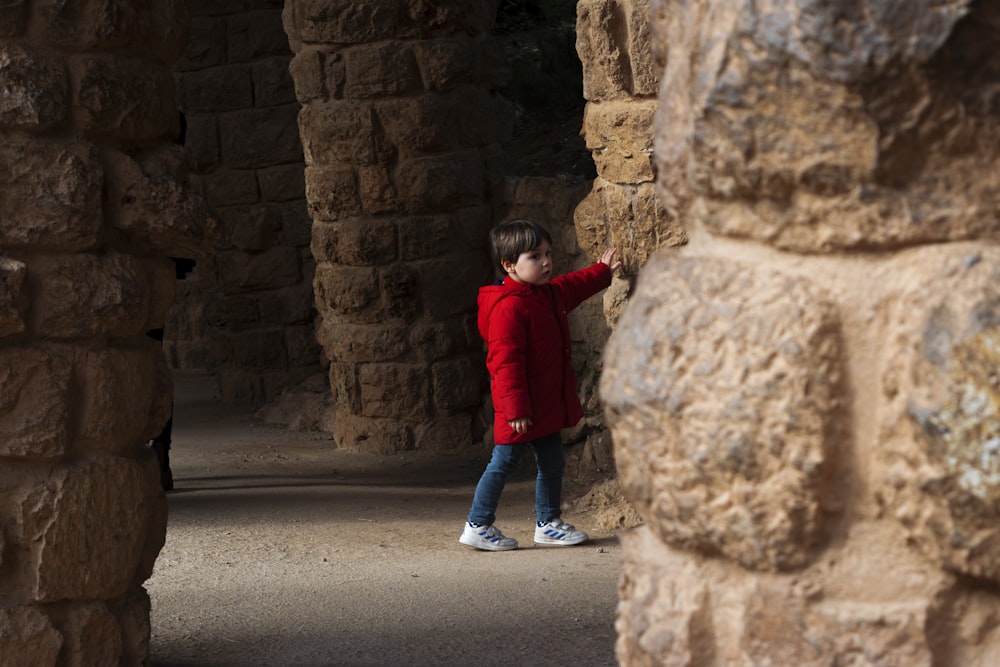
(548, 484)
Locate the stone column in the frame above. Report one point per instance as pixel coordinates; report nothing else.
(400, 125)
(804, 400)
(620, 83)
(92, 206)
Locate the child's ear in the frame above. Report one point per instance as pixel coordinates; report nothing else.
(507, 265)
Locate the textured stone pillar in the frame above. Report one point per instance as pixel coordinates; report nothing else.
(620, 83)
(804, 400)
(400, 123)
(92, 205)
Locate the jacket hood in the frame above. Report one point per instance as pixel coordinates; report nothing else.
(491, 295)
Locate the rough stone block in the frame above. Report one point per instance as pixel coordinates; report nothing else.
(603, 38)
(291, 305)
(355, 242)
(422, 124)
(425, 236)
(620, 137)
(34, 93)
(245, 272)
(447, 63)
(940, 438)
(92, 636)
(158, 28)
(251, 228)
(378, 192)
(133, 615)
(124, 397)
(50, 195)
(217, 89)
(734, 403)
(448, 17)
(441, 183)
(77, 296)
(303, 350)
(645, 70)
(347, 294)
(364, 343)
(127, 98)
(202, 141)
(826, 154)
(456, 383)
(272, 83)
(379, 70)
(343, 386)
(399, 291)
(228, 187)
(443, 433)
(337, 133)
(448, 285)
(35, 403)
(678, 609)
(77, 552)
(27, 637)
(151, 202)
(332, 193)
(235, 313)
(374, 435)
(254, 35)
(260, 137)
(342, 21)
(207, 46)
(296, 225)
(308, 71)
(433, 341)
(399, 391)
(630, 218)
(12, 274)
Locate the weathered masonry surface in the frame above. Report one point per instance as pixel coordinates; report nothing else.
(805, 399)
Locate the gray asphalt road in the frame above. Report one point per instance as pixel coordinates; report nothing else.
(282, 550)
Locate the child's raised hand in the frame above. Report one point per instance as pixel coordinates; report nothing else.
(608, 258)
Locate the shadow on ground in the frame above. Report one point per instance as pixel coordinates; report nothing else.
(283, 550)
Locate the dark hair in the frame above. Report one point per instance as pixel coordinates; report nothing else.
(509, 239)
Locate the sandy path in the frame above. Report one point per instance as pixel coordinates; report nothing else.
(282, 550)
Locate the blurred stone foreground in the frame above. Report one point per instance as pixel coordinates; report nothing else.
(802, 380)
(804, 400)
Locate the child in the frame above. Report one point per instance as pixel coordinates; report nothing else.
(522, 318)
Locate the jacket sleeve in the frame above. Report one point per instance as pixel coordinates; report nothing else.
(506, 359)
(578, 286)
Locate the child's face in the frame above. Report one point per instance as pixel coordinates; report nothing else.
(533, 266)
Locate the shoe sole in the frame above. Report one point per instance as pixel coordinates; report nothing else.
(485, 546)
(560, 543)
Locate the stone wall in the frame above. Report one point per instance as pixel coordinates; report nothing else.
(400, 125)
(620, 83)
(804, 399)
(93, 204)
(621, 209)
(246, 314)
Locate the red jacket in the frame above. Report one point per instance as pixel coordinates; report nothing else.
(528, 350)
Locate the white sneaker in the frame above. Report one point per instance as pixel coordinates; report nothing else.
(487, 538)
(559, 533)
